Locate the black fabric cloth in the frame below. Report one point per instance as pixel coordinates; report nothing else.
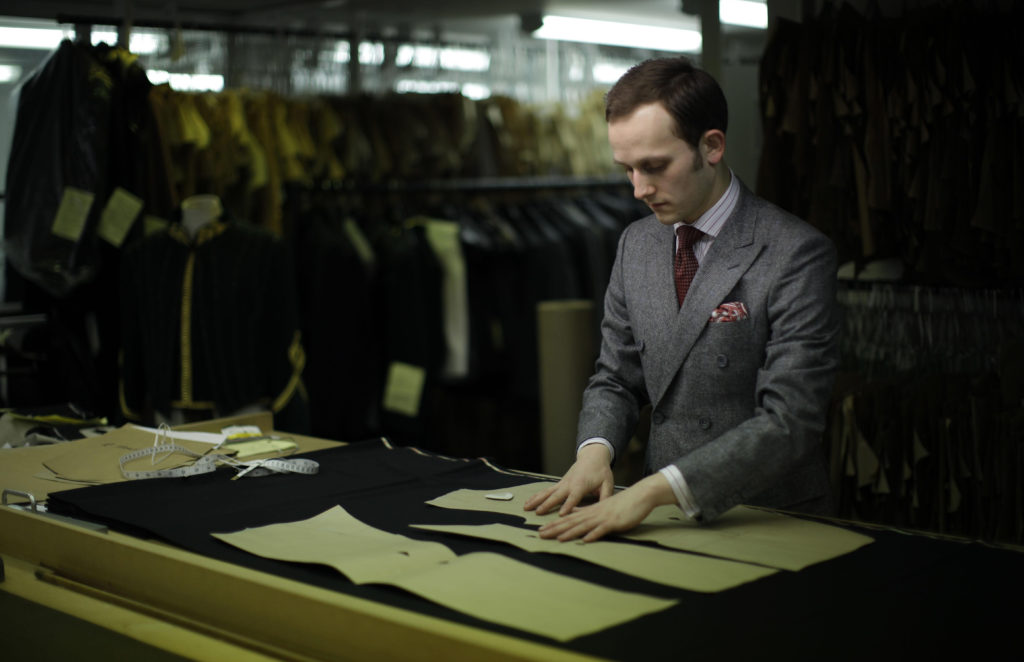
(901, 596)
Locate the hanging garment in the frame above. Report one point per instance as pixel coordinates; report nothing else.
(211, 325)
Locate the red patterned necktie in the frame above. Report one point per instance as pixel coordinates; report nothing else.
(685, 264)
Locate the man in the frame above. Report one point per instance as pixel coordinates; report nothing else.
(738, 364)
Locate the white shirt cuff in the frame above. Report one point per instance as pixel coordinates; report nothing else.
(599, 440)
(681, 490)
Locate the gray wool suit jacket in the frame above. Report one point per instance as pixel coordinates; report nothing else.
(738, 406)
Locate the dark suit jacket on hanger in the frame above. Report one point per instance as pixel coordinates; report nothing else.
(738, 406)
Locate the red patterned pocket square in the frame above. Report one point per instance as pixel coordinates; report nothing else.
(729, 312)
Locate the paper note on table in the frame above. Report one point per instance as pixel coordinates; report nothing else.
(672, 568)
(249, 448)
(742, 534)
(488, 586)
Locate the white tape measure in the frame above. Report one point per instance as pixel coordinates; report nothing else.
(208, 463)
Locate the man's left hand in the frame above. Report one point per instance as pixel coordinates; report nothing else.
(619, 512)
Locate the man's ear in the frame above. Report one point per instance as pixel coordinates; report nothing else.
(713, 146)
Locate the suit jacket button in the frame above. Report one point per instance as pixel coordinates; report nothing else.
(704, 423)
(723, 360)
(658, 417)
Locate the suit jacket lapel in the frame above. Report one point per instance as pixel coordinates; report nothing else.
(727, 260)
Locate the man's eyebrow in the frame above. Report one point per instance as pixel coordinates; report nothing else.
(645, 162)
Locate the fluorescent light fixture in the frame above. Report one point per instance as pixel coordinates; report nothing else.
(614, 33)
(140, 43)
(465, 59)
(370, 52)
(475, 91)
(45, 39)
(9, 73)
(187, 82)
(426, 86)
(452, 59)
(49, 39)
(743, 12)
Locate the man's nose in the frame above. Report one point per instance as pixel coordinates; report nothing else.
(642, 187)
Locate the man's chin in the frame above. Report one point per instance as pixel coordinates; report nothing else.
(664, 218)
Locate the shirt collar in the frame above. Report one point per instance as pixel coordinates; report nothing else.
(712, 221)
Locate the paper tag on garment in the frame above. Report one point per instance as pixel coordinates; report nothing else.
(118, 216)
(69, 223)
(404, 388)
(154, 224)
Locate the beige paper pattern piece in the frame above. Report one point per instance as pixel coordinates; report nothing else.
(752, 535)
(742, 534)
(488, 586)
(362, 553)
(499, 589)
(466, 499)
(672, 568)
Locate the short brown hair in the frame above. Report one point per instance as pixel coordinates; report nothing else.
(690, 95)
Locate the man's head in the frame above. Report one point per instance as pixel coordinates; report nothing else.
(666, 128)
(691, 96)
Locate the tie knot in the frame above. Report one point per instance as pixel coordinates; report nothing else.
(688, 235)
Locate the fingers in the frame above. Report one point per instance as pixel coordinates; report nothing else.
(584, 522)
(570, 503)
(548, 499)
(539, 498)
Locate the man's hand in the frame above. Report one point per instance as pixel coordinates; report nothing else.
(620, 512)
(591, 473)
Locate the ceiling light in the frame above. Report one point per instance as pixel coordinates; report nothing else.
(140, 43)
(743, 12)
(46, 39)
(187, 82)
(614, 33)
(9, 73)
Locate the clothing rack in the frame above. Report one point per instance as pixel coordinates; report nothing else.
(924, 429)
(226, 28)
(486, 184)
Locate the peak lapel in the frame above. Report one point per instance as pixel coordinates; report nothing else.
(727, 260)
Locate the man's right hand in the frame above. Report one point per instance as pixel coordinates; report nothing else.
(591, 473)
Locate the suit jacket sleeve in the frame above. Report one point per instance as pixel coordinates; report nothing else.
(616, 391)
